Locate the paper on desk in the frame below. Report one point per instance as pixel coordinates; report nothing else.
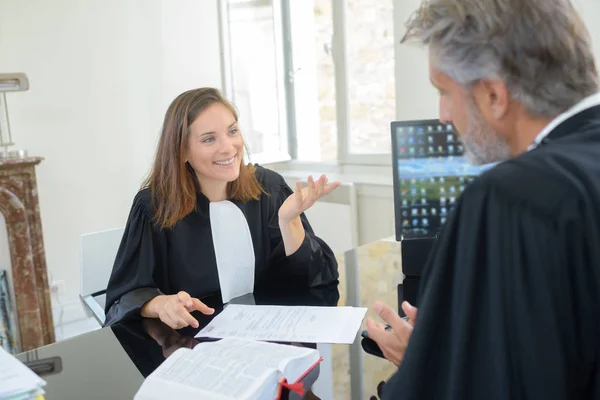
(336, 325)
(16, 378)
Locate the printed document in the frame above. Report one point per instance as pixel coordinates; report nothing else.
(336, 325)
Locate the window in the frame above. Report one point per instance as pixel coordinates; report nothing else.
(314, 80)
(323, 97)
(256, 74)
(370, 65)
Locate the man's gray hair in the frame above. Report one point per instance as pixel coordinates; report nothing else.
(540, 49)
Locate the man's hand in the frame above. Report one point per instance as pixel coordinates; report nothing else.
(392, 342)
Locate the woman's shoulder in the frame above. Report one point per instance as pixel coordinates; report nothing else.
(142, 202)
(270, 180)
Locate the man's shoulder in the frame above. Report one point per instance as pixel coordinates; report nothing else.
(544, 181)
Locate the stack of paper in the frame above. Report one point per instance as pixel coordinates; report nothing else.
(17, 382)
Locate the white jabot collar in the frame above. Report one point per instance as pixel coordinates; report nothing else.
(588, 102)
(234, 250)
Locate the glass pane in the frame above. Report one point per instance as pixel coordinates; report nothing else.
(255, 74)
(314, 80)
(371, 74)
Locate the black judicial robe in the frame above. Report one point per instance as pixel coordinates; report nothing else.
(510, 295)
(153, 261)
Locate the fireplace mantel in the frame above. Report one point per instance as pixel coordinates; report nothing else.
(20, 207)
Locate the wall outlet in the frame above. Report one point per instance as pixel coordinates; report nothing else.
(58, 287)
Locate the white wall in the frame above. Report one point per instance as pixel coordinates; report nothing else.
(101, 76)
(590, 11)
(415, 97)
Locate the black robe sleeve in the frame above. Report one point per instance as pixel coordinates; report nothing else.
(507, 308)
(314, 263)
(139, 269)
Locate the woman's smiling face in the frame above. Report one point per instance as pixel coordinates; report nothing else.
(215, 145)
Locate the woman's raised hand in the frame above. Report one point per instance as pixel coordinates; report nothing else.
(303, 198)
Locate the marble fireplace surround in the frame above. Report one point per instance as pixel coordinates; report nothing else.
(20, 207)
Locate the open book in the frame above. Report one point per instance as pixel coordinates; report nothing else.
(230, 369)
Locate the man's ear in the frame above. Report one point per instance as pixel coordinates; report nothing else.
(493, 96)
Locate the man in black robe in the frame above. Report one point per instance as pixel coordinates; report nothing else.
(509, 304)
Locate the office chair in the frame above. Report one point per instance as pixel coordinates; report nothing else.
(98, 251)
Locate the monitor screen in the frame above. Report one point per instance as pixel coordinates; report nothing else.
(430, 172)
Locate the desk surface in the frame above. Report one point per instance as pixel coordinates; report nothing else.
(112, 362)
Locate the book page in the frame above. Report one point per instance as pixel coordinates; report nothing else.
(262, 355)
(215, 372)
(231, 368)
(337, 325)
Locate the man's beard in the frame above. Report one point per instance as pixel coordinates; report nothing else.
(481, 144)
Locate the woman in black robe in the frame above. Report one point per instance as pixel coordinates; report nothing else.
(205, 223)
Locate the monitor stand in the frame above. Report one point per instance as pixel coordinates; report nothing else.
(415, 252)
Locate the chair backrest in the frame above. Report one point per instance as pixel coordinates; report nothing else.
(97, 256)
(334, 218)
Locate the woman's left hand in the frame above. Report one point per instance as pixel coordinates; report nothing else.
(302, 199)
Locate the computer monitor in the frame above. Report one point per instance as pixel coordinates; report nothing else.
(430, 172)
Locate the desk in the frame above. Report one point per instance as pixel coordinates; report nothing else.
(112, 362)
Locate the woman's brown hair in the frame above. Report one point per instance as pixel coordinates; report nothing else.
(172, 180)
